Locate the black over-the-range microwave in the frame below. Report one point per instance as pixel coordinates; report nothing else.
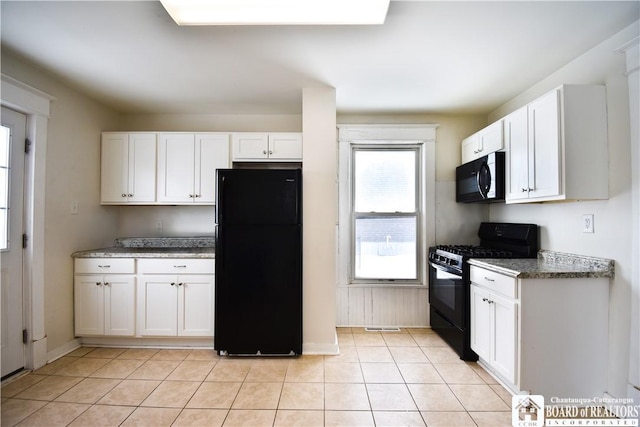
(481, 180)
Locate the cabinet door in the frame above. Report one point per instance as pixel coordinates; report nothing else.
(517, 155)
(480, 322)
(195, 305)
(89, 304)
(490, 139)
(142, 167)
(157, 305)
(469, 148)
(285, 146)
(212, 152)
(176, 165)
(545, 146)
(119, 310)
(250, 146)
(114, 167)
(504, 331)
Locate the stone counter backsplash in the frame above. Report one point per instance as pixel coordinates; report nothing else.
(165, 242)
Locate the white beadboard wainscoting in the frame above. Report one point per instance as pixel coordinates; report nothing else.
(382, 306)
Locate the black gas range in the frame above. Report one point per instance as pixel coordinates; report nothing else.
(449, 284)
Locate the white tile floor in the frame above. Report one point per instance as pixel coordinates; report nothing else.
(408, 378)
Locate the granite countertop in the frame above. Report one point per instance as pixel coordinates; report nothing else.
(550, 265)
(154, 247)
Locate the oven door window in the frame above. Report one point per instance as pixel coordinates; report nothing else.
(445, 294)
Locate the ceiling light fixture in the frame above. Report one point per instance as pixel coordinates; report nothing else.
(277, 12)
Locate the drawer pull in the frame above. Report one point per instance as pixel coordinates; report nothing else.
(104, 266)
(179, 266)
(488, 279)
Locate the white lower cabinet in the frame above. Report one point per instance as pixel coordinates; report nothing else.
(541, 335)
(171, 304)
(493, 336)
(104, 297)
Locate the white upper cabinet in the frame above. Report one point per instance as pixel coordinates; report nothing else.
(260, 146)
(483, 142)
(128, 168)
(186, 166)
(557, 147)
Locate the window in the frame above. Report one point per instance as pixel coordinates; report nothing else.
(385, 211)
(5, 162)
(386, 221)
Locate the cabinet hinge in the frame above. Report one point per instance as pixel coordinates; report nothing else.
(27, 145)
(25, 336)
(25, 239)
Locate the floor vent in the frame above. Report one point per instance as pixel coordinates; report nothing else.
(382, 329)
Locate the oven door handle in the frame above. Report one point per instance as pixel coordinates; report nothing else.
(449, 270)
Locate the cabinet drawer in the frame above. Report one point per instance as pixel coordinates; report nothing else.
(176, 266)
(104, 265)
(494, 281)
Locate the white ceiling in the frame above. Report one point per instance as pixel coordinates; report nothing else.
(444, 57)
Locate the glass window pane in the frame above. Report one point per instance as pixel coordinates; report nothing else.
(385, 248)
(4, 213)
(4, 187)
(4, 146)
(385, 181)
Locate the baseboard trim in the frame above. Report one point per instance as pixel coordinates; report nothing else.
(62, 350)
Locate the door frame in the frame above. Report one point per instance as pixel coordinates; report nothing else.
(35, 104)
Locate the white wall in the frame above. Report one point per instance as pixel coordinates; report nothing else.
(561, 222)
(72, 174)
(320, 216)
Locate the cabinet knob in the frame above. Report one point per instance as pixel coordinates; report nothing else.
(107, 283)
(484, 299)
(124, 194)
(264, 151)
(524, 190)
(180, 284)
(198, 195)
(190, 195)
(130, 195)
(98, 283)
(531, 189)
(173, 283)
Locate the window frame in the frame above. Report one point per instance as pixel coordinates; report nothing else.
(417, 213)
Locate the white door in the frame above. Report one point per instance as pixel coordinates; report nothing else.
(480, 322)
(142, 167)
(504, 347)
(89, 304)
(545, 173)
(516, 143)
(175, 167)
(195, 305)
(157, 305)
(212, 152)
(11, 229)
(114, 167)
(286, 146)
(119, 298)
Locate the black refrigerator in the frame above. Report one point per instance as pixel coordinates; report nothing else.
(258, 277)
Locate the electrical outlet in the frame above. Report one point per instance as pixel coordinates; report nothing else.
(74, 207)
(159, 226)
(587, 223)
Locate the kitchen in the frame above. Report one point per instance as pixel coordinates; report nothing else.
(72, 165)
